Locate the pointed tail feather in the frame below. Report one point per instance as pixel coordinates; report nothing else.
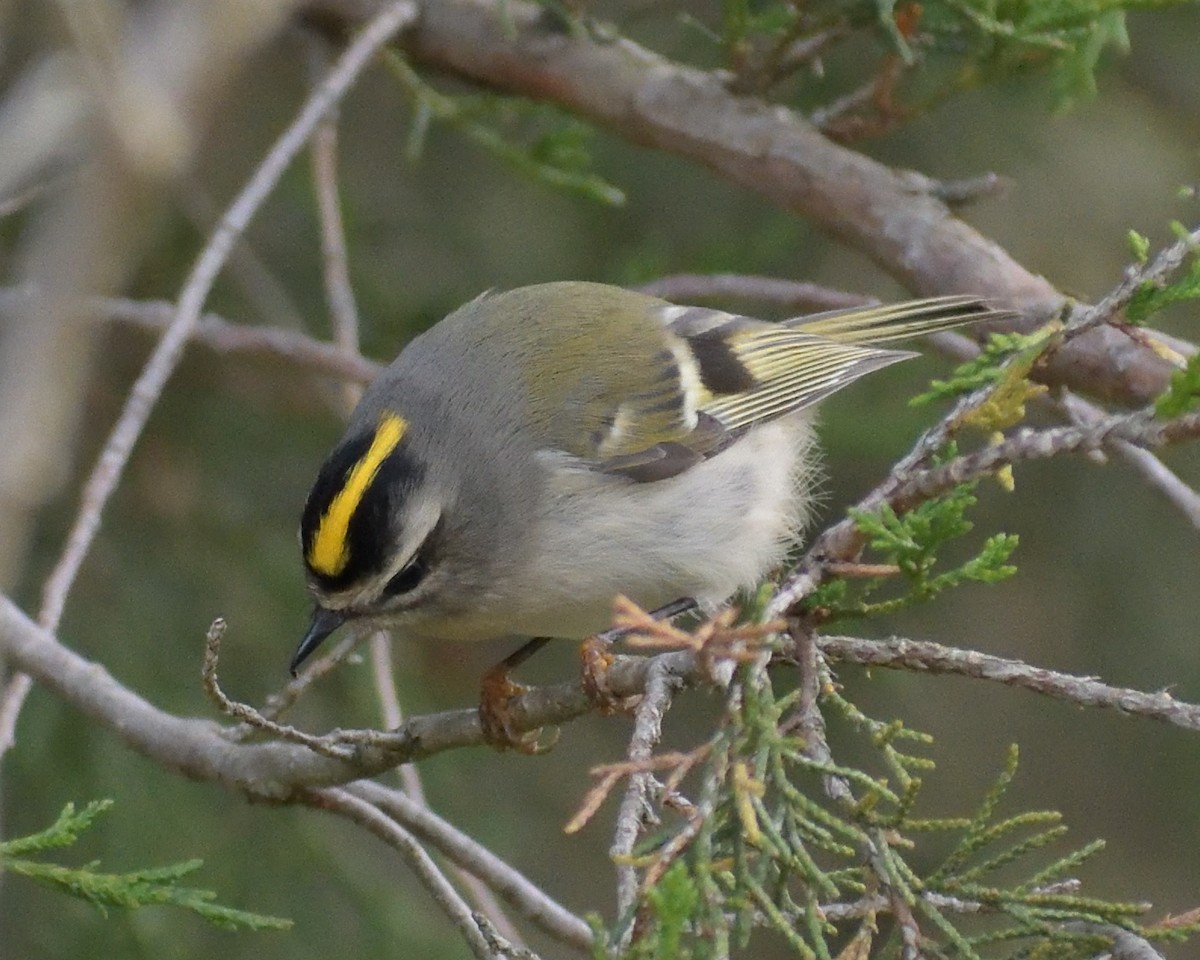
(899, 321)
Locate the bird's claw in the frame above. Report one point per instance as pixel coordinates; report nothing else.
(496, 699)
(595, 654)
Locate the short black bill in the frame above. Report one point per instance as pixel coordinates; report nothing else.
(322, 624)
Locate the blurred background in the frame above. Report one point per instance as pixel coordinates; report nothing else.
(204, 523)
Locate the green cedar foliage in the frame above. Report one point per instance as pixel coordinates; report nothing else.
(158, 886)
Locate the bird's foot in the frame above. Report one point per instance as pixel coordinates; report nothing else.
(498, 696)
(596, 658)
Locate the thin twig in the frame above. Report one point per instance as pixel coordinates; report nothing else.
(635, 809)
(610, 774)
(1156, 473)
(837, 110)
(339, 293)
(247, 714)
(1026, 445)
(16, 689)
(926, 657)
(264, 292)
(384, 676)
(908, 484)
(871, 904)
(335, 260)
(489, 906)
(807, 50)
(223, 336)
(960, 193)
(529, 900)
(670, 850)
(1156, 271)
(279, 702)
(807, 721)
(791, 294)
(149, 384)
(344, 803)
(498, 944)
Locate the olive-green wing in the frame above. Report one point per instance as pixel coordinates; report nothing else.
(680, 383)
(615, 386)
(751, 371)
(719, 374)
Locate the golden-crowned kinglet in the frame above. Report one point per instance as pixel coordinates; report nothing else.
(539, 451)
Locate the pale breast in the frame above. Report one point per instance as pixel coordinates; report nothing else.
(717, 527)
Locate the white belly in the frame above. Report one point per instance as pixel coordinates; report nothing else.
(717, 527)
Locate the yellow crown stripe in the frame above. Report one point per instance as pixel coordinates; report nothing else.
(330, 552)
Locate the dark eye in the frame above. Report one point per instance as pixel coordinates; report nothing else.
(407, 579)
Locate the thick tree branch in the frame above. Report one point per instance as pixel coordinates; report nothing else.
(895, 217)
(144, 393)
(201, 750)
